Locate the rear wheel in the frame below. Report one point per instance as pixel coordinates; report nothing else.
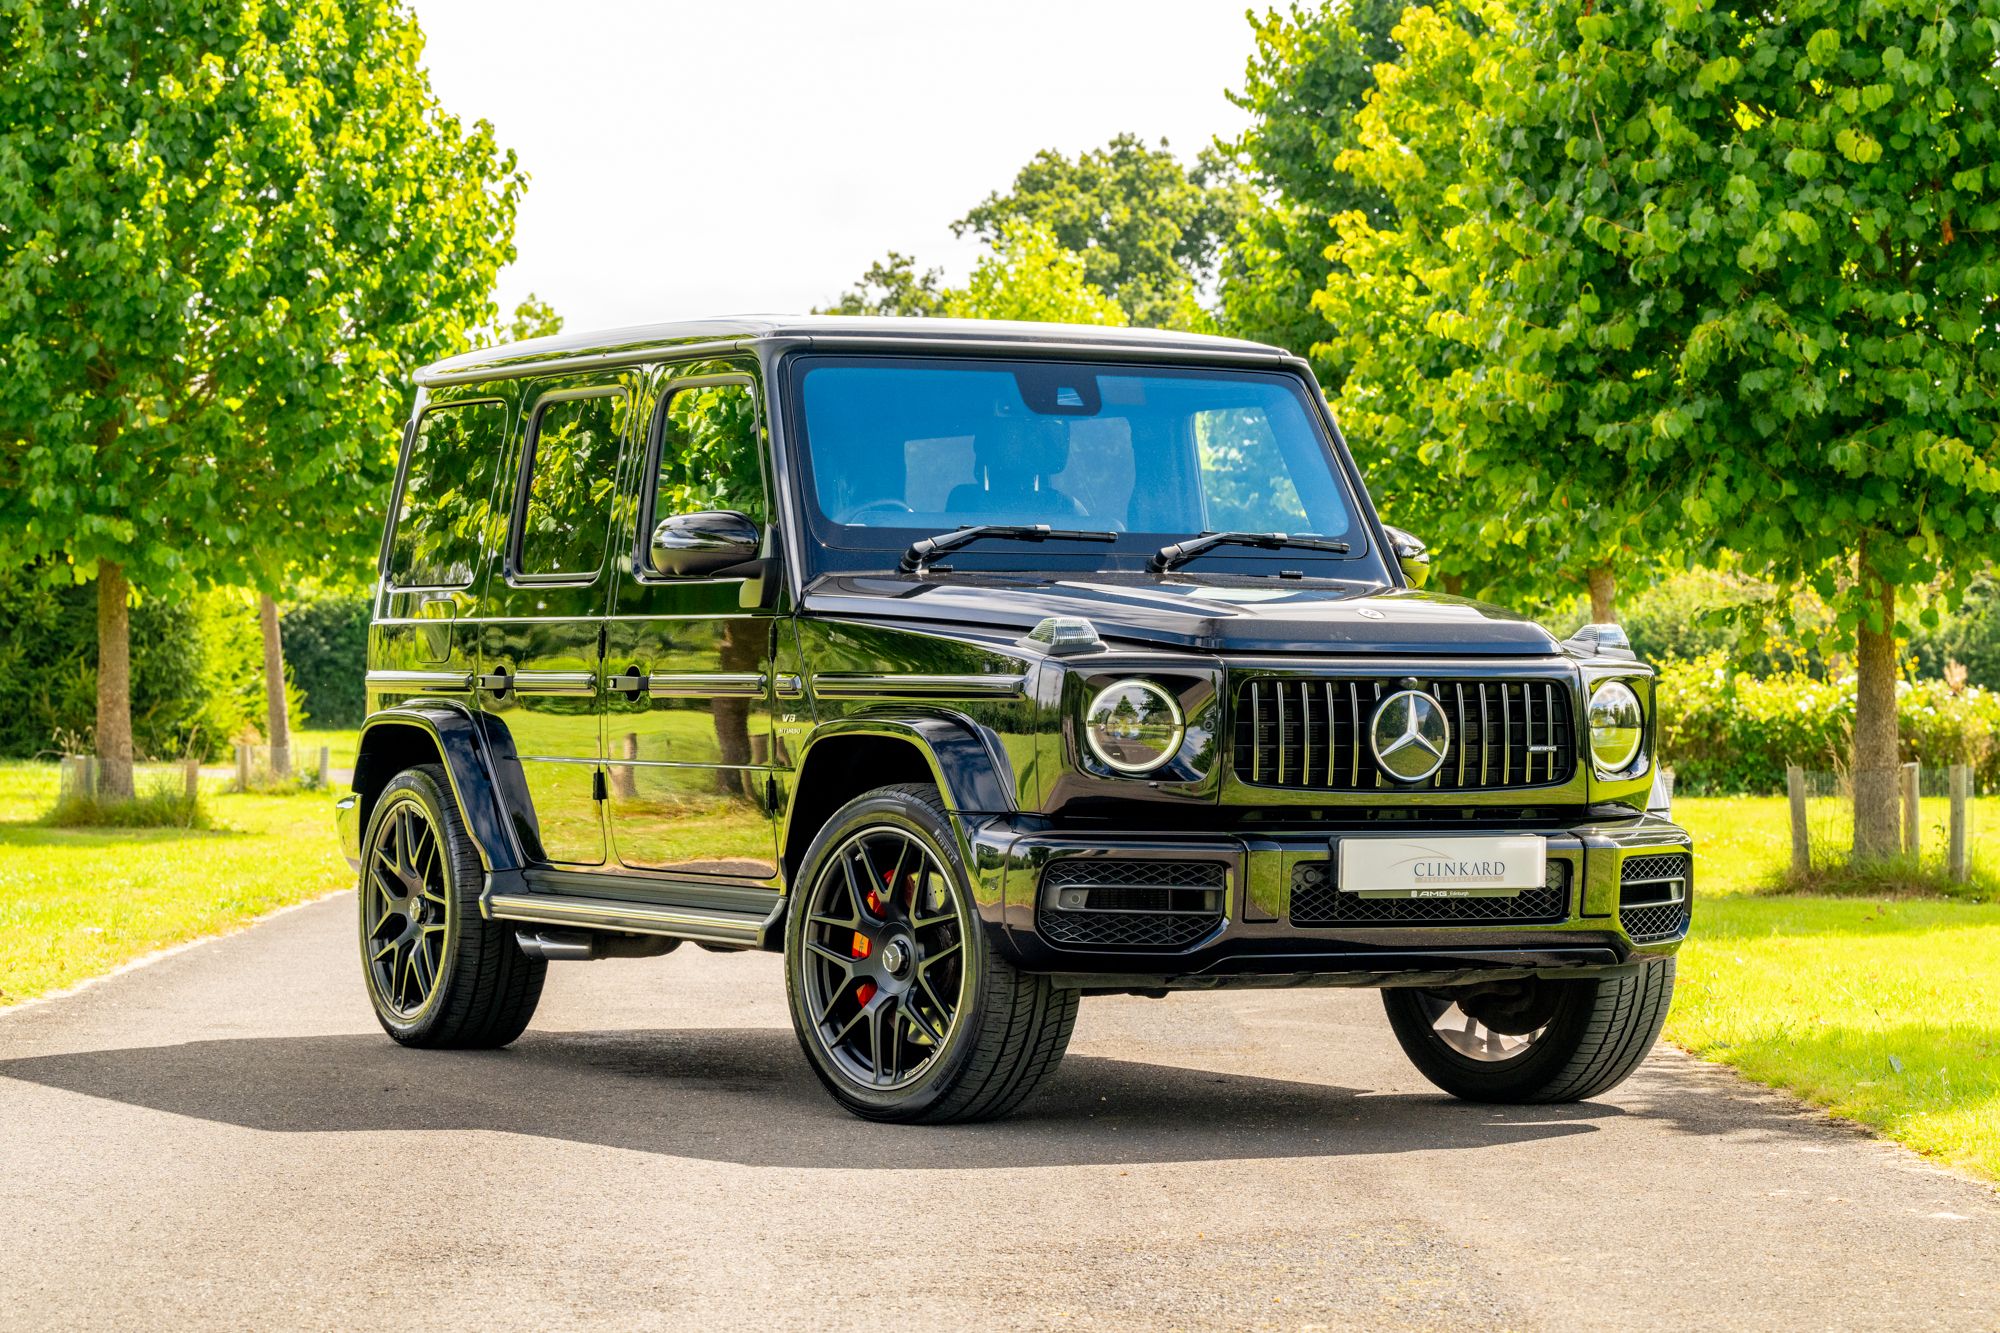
(1533, 1040)
(903, 1009)
(438, 973)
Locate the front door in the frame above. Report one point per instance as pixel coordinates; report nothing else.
(688, 705)
(541, 660)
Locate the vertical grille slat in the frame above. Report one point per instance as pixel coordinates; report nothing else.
(1299, 733)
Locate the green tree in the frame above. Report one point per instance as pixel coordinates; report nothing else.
(1313, 67)
(1477, 379)
(892, 286)
(1029, 275)
(532, 318)
(227, 230)
(1772, 233)
(1148, 229)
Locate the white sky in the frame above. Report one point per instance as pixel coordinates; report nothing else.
(692, 159)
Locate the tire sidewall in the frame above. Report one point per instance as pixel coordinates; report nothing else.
(906, 811)
(418, 786)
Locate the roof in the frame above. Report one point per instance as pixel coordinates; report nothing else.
(649, 341)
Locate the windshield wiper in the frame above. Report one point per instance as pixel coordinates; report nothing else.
(1176, 554)
(922, 550)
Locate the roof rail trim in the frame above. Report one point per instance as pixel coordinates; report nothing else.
(558, 365)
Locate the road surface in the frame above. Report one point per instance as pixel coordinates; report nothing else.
(224, 1139)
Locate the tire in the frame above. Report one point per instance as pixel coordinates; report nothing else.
(422, 911)
(1593, 1034)
(894, 1046)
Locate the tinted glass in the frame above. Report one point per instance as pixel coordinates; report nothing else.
(573, 462)
(446, 494)
(939, 445)
(709, 457)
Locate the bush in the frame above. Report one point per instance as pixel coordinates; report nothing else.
(1697, 612)
(165, 803)
(1969, 635)
(326, 652)
(196, 668)
(1723, 731)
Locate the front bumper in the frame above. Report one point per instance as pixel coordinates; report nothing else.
(1257, 910)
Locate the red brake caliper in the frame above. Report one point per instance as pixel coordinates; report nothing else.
(865, 992)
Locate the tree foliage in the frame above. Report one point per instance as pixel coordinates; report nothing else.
(892, 286)
(1312, 68)
(1029, 275)
(1148, 229)
(227, 231)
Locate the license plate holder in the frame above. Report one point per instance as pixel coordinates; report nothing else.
(1449, 866)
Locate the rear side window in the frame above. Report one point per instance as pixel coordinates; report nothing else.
(447, 488)
(568, 476)
(709, 457)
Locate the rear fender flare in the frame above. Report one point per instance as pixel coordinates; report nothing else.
(478, 757)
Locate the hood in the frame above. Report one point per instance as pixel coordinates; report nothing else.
(1213, 616)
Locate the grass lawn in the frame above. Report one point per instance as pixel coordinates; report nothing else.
(1881, 1011)
(341, 745)
(76, 903)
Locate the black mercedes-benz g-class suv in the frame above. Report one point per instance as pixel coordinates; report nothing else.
(978, 667)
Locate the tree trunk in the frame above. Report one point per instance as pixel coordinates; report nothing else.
(1875, 762)
(277, 727)
(114, 685)
(1603, 589)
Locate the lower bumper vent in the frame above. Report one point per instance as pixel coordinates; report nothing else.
(1087, 903)
(1317, 901)
(1656, 895)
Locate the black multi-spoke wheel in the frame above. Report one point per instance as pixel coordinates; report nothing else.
(1533, 1040)
(901, 1005)
(403, 890)
(884, 970)
(438, 973)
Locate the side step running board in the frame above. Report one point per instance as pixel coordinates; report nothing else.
(702, 924)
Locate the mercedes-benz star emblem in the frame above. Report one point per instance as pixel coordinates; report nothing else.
(1409, 735)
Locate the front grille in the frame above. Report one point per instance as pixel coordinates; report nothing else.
(1656, 895)
(1087, 902)
(1311, 733)
(1318, 901)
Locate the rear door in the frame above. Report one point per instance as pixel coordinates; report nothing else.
(688, 739)
(541, 659)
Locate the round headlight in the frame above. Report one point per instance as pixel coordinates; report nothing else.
(1617, 726)
(1134, 726)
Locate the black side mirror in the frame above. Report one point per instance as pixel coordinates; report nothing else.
(692, 546)
(1412, 555)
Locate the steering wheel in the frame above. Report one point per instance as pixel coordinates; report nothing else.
(887, 505)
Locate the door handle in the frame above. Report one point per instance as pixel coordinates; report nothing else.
(629, 682)
(494, 682)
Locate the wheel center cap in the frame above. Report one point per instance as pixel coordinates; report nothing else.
(895, 958)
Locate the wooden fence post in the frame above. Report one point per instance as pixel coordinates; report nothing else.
(1795, 787)
(325, 766)
(1911, 786)
(1961, 791)
(242, 767)
(192, 775)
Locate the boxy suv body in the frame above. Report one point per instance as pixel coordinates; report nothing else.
(978, 667)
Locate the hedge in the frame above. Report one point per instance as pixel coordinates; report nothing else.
(1722, 731)
(326, 652)
(196, 669)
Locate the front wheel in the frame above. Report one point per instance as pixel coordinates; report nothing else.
(902, 1007)
(1533, 1040)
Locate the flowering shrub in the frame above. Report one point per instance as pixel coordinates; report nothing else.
(1725, 732)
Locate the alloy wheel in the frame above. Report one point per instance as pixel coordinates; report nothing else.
(883, 967)
(1471, 1038)
(408, 907)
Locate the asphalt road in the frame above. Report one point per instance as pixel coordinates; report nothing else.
(225, 1139)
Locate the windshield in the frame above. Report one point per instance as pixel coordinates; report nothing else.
(900, 449)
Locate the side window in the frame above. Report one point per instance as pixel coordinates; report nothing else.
(447, 487)
(709, 457)
(568, 476)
